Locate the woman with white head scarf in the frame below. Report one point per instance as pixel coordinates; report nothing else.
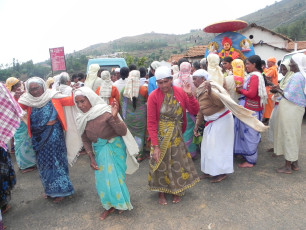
(106, 90)
(46, 123)
(102, 134)
(290, 114)
(214, 70)
(285, 70)
(134, 110)
(93, 81)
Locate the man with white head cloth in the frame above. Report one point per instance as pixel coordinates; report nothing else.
(291, 109)
(216, 158)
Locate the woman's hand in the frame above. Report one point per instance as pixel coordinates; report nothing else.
(195, 131)
(156, 153)
(187, 88)
(115, 108)
(93, 164)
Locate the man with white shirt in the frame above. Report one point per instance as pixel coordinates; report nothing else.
(124, 73)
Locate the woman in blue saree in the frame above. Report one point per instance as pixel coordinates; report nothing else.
(102, 132)
(46, 122)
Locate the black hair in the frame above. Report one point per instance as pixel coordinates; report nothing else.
(143, 72)
(263, 62)
(81, 76)
(196, 65)
(279, 62)
(228, 59)
(132, 67)
(124, 72)
(257, 60)
(74, 76)
(180, 61)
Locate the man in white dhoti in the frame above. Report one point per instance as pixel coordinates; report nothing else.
(218, 138)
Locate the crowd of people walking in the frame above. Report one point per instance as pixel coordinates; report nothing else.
(171, 115)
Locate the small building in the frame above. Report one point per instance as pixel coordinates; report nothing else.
(195, 53)
(267, 43)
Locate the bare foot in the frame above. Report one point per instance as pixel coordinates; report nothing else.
(58, 199)
(162, 199)
(106, 213)
(245, 165)
(5, 209)
(271, 150)
(28, 169)
(274, 155)
(284, 169)
(218, 178)
(176, 199)
(295, 166)
(205, 176)
(45, 196)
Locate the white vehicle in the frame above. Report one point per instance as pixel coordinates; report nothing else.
(288, 57)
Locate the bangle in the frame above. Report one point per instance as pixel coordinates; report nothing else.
(154, 146)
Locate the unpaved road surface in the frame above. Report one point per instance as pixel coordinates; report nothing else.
(257, 198)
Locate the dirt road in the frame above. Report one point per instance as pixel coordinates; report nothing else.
(256, 198)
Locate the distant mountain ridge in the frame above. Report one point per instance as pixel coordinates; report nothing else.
(162, 46)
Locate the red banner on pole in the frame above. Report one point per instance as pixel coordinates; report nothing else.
(57, 56)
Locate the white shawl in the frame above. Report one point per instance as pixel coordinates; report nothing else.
(36, 102)
(92, 75)
(97, 109)
(132, 85)
(243, 114)
(262, 92)
(106, 86)
(300, 60)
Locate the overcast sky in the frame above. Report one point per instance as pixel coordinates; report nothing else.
(30, 27)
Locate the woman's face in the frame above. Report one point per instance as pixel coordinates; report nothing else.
(293, 66)
(283, 70)
(35, 89)
(250, 67)
(83, 103)
(165, 85)
(16, 86)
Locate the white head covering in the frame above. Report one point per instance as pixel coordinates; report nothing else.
(106, 86)
(36, 102)
(201, 73)
(98, 107)
(117, 70)
(175, 69)
(162, 72)
(300, 60)
(155, 65)
(132, 85)
(56, 84)
(214, 69)
(92, 75)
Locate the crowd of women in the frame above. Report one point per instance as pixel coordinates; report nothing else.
(171, 118)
